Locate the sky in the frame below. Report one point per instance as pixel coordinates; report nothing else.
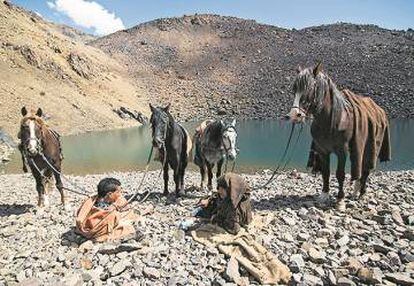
(101, 17)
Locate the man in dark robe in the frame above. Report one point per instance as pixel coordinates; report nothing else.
(229, 208)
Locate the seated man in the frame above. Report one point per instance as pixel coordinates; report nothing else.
(102, 217)
(229, 208)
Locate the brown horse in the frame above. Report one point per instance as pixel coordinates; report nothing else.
(343, 123)
(39, 142)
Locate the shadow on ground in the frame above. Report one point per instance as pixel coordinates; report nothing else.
(71, 236)
(14, 209)
(294, 202)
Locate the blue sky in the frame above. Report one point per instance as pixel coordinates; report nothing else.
(105, 16)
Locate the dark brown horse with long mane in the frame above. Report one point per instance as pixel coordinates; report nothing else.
(343, 123)
(173, 144)
(39, 142)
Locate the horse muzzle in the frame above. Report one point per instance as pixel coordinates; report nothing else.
(295, 115)
(232, 156)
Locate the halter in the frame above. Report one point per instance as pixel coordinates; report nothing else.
(164, 147)
(39, 147)
(311, 103)
(222, 139)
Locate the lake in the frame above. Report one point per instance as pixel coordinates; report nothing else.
(261, 145)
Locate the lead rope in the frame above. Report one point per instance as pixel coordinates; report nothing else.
(275, 171)
(164, 161)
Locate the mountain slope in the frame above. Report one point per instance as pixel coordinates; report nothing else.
(77, 86)
(209, 64)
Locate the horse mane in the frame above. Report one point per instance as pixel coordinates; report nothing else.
(36, 118)
(215, 130)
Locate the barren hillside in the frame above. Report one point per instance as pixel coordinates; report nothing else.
(211, 64)
(78, 86)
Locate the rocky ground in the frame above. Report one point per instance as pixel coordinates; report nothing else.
(372, 242)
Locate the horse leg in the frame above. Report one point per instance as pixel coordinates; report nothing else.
(177, 181)
(363, 183)
(325, 163)
(59, 186)
(219, 166)
(182, 174)
(181, 178)
(340, 176)
(210, 175)
(24, 160)
(203, 176)
(40, 192)
(46, 186)
(165, 180)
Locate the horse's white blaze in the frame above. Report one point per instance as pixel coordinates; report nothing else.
(229, 142)
(32, 141)
(293, 114)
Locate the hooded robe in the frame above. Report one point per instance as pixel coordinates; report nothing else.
(235, 210)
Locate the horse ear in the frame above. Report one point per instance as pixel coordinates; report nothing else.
(167, 108)
(39, 112)
(317, 69)
(24, 111)
(151, 107)
(233, 122)
(298, 69)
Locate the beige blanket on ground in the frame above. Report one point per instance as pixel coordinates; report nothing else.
(257, 260)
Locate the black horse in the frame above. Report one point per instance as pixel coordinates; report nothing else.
(173, 143)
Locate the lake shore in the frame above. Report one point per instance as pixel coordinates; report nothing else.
(373, 240)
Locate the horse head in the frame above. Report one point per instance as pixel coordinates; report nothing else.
(229, 138)
(160, 118)
(31, 131)
(305, 90)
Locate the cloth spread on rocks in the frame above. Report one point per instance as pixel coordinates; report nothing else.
(256, 259)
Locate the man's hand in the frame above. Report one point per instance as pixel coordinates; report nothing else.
(203, 203)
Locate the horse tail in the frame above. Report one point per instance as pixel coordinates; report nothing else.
(385, 151)
(187, 145)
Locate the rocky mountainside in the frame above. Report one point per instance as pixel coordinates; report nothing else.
(47, 65)
(209, 64)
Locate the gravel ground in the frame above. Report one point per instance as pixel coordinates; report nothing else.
(372, 242)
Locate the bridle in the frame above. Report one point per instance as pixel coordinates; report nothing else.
(228, 149)
(230, 127)
(163, 139)
(311, 105)
(39, 141)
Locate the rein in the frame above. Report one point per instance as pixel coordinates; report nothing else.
(285, 152)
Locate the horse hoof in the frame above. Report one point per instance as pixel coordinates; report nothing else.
(165, 193)
(323, 197)
(340, 206)
(180, 194)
